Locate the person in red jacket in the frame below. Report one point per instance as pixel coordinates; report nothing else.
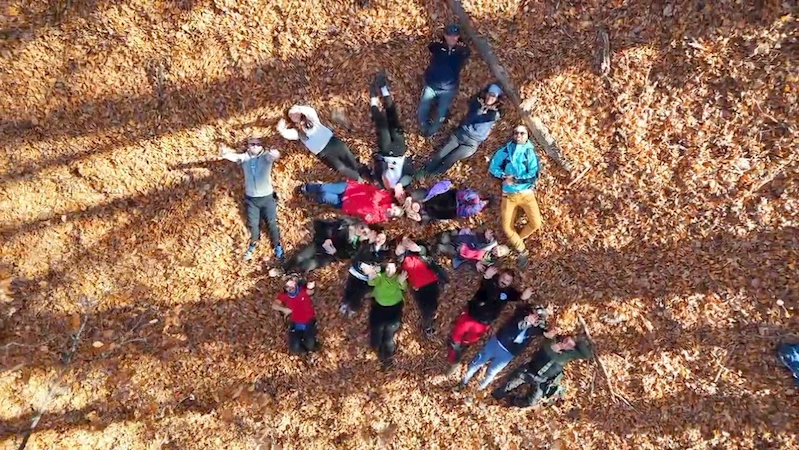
(365, 201)
(295, 300)
(425, 277)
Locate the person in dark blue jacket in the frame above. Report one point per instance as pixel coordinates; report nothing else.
(526, 324)
(517, 165)
(474, 129)
(441, 79)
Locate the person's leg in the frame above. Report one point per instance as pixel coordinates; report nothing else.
(338, 156)
(295, 340)
(516, 379)
(309, 337)
(253, 213)
(444, 99)
(395, 129)
(507, 208)
(389, 341)
(433, 165)
(423, 113)
(482, 357)
(427, 300)
(500, 360)
(465, 149)
(376, 325)
(327, 193)
(530, 207)
(381, 126)
(269, 213)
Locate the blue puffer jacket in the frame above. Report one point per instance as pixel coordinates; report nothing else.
(479, 120)
(520, 161)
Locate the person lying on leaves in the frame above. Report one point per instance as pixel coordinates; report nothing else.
(373, 251)
(542, 374)
(496, 290)
(365, 201)
(425, 277)
(442, 202)
(472, 247)
(510, 340)
(385, 316)
(332, 240)
(296, 301)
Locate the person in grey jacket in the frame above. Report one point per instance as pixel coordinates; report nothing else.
(260, 200)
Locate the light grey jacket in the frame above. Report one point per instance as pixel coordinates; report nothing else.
(257, 172)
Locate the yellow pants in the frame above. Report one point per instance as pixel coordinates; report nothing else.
(508, 208)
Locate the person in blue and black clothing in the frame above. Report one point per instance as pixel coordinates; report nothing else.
(474, 130)
(442, 78)
(260, 199)
(372, 252)
(517, 165)
(526, 324)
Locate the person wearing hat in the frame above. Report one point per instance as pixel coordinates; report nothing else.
(441, 79)
(510, 340)
(516, 164)
(474, 129)
(543, 372)
(260, 198)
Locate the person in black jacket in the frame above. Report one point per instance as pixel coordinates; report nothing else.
(441, 79)
(543, 372)
(372, 252)
(333, 240)
(391, 167)
(526, 324)
(496, 290)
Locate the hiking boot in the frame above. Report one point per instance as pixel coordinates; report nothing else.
(522, 260)
(250, 251)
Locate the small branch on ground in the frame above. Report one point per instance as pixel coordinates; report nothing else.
(601, 366)
(67, 357)
(603, 52)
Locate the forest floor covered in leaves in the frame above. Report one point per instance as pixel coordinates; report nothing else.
(675, 246)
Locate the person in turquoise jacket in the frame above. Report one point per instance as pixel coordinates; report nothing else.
(517, 165)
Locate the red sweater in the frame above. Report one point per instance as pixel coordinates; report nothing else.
(419, 274)
(367, 202)
(301, 306)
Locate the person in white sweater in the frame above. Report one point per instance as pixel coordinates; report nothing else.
(320, 140)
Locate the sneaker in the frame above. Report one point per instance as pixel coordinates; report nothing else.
(522, 260)
(387, 363)
(250, 251)
(344, 310)
(430, 332)
(275, 272)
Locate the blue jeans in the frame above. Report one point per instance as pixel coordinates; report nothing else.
(443, 98)
(327, 193)
(494, 353)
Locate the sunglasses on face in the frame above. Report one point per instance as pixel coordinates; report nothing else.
(520, 132)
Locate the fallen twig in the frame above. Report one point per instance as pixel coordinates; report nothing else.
(721, 364)
(579, 177)
(604, 371)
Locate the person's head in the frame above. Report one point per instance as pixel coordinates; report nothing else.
(500, 251)
(520, 134)
(360, 230)
(292, 285)
(391, 269)
(380, 239)
(395, 211)
(492, 94)
(564, 343)
(505, 278)
(536, 316)
(254, 145)
(452, 34)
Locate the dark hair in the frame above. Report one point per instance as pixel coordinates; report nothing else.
(559, 339)
(507, 271)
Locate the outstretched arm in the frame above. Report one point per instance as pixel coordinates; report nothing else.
(288, 133)
(228, 153)
(306, 111)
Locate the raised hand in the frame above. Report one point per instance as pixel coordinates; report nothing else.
(490, 272)
(527, 294)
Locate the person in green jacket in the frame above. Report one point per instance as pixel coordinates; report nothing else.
(385, 316)
(544, 371)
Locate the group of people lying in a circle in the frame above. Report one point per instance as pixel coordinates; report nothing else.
(383, 268)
